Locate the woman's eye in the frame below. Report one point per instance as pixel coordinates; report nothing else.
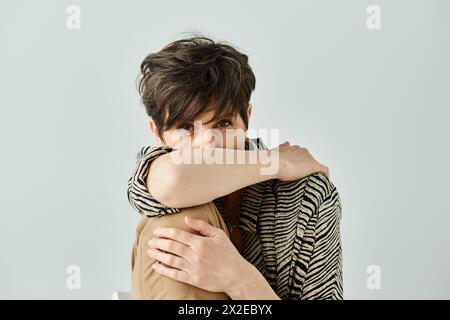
(224, 123)
(185, 126)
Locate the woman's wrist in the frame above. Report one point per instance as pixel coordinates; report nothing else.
(250, 284)
(269, 163)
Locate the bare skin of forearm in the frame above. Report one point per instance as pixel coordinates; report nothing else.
(185, 185)
(252, 286)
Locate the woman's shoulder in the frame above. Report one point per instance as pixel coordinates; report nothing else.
(316, 187)
(150, 151)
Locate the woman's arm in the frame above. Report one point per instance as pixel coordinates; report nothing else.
(251, 285)
(183, 185)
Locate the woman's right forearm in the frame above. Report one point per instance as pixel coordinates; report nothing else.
(195, 182)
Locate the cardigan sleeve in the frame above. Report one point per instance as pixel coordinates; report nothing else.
(326, 255)
(308, 241)
(138, 195)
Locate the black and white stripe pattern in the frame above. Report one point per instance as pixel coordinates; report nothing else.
(291, 229)
(138, 195)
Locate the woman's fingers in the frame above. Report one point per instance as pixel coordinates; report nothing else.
(168, 259)
(177, 234)
(320, 168)
(171, 246)
(172, 273)
(203, 227)
(325, 170)
(297, 163)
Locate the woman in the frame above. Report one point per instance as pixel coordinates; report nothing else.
(225, 230)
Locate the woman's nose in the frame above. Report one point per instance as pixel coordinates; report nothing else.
(209, 138)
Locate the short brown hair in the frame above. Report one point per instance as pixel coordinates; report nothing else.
(177, 83)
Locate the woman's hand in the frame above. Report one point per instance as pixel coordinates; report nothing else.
(208, 261)
(296, 163)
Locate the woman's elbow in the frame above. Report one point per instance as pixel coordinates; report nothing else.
(159, 185)
(168, 189)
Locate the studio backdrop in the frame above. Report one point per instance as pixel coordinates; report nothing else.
(364, 85)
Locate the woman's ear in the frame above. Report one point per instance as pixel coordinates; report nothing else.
(154, 130)
(249, 114)
(249, 111)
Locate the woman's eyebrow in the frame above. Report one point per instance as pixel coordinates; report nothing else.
(223, 117)
(215, 119)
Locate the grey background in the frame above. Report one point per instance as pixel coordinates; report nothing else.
(371, 104)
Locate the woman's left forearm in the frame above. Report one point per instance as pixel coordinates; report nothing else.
(251, 285)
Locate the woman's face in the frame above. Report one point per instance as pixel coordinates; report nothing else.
(229, 132)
